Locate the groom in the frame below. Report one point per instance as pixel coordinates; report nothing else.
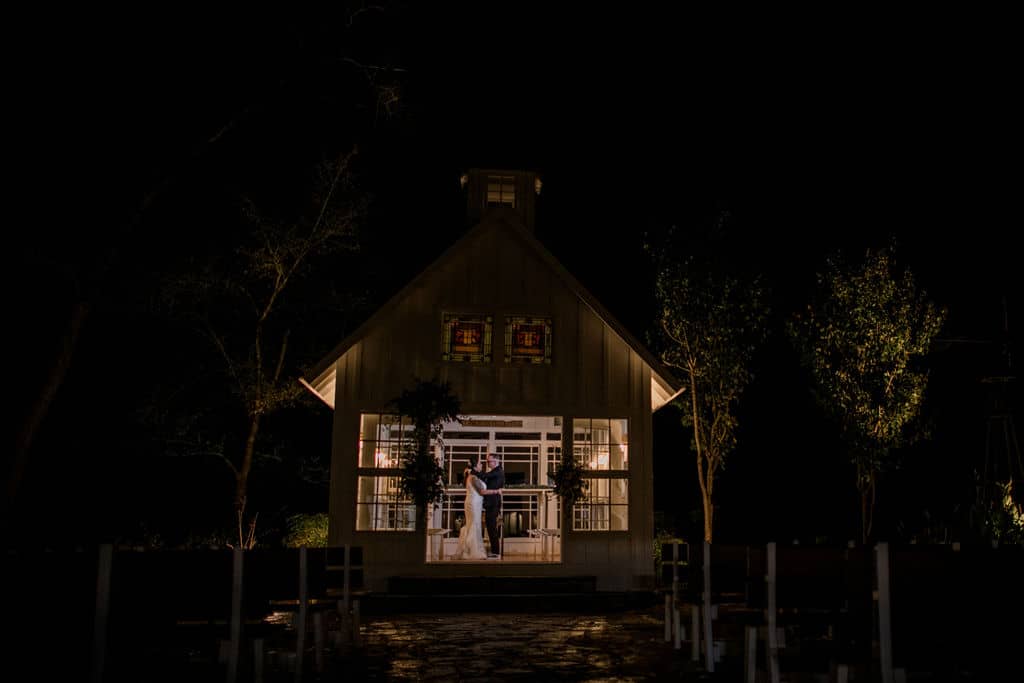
(495, 480)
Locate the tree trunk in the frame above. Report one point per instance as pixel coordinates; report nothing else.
(242, 482)
(709, 511)
(704, 478)
(866, 487)
(863, 516)
(41, 405)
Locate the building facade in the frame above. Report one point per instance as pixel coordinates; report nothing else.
(542, 371)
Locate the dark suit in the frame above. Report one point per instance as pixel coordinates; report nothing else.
(495, 479)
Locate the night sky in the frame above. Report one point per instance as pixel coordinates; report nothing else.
(809, 135)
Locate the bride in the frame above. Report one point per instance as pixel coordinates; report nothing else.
(471, 542)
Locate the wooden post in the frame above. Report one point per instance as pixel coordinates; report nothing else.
(257, 660)
(750, 658)
(709, 655)
(884, 624)
(345, 629)
(300, 635)
(318, 640)
(102, 615)
(675, 573)
(668, 617)
(746, 580)
(235, 644)
(773, 644)
(345, 581)
(356, 640)
(695, 631)
(678, 631)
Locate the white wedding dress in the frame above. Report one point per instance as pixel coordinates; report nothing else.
(471, 540)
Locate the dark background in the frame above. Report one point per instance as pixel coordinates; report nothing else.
(807, 133)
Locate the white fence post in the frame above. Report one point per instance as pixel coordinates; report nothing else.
(102, 615)
(356, 638)
(346, 587)
(750, 660)
(709, 654)
(668, 617)
(675, 573)
(773, 643)
(257, 660)
(318, 640)
(884, 616)
(695, 630)
(235, 644)
(300, 637)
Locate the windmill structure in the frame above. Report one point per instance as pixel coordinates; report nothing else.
(998, 505)
(1003, 471)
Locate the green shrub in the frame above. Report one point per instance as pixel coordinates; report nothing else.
(308, 530)
(660, 538)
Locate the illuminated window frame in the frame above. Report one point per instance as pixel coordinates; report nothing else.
(453, 350)
(523, 460)
(501, 191)
(601, 447)
(601, 443)
(516, 351)
(380, 505)
(531, 503)
(604, 506)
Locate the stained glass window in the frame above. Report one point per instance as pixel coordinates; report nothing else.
(527, 340)
(466, 338)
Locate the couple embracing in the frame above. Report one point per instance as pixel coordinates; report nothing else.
(483, 494)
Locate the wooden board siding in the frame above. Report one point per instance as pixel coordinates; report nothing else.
(594, 373)
(592, 367)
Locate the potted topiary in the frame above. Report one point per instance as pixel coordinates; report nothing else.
(428, 405)
(568, 483)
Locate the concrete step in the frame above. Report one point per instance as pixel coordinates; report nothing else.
(575, 602)
(490, 585)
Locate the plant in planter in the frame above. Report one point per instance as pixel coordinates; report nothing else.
(428, 405)
(568, 482)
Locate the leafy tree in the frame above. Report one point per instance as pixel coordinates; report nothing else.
(863, 339)
(302, 78)
(709, 325)
(1006, 520)
(238, 304)
(428, 404)
(307, 530)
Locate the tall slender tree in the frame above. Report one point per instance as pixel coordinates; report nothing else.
(864, 339)
(708, 328)
(238, 303)
(323, 70)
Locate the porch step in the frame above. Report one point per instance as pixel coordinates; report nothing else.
(491, 585)
(593, 602)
